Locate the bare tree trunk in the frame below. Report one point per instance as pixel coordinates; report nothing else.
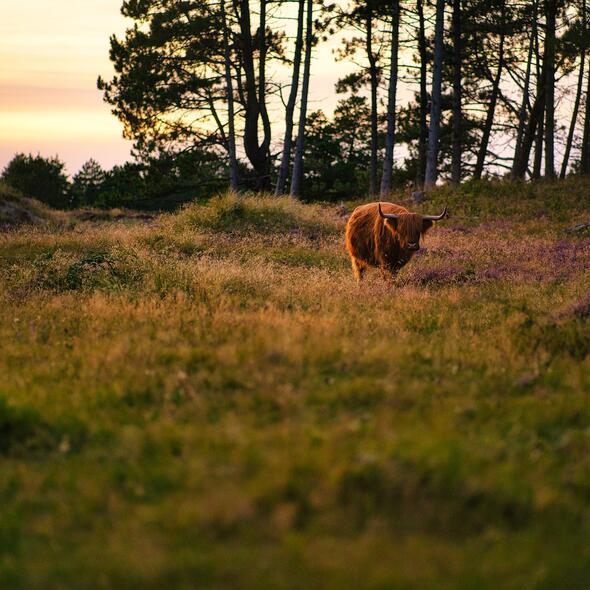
(541, 90)
(525, 93)
(297, 179)
(457, 114)
(585, 155)
(535, 120)
(551, 15)
(529, 135)
(538, 149)
(570, 136)
(487, 130)
(374, 87)
(290, 109)
(423, 133)
(231, 135)
(262, 93)
(537, 114)
(434, 131)
(257, 152)
(391, 101)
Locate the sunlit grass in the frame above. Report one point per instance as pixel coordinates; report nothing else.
(210, 401)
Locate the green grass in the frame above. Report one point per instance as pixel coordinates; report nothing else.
(210, 401)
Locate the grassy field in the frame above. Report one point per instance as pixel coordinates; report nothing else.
(208, 400)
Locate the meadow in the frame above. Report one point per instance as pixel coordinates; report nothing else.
(208, 400)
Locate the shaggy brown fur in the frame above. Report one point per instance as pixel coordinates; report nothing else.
(384, 243)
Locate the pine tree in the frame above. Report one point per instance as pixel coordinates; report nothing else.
(231, 133)
(493, 100)
(87, 183)
(391, 102)
(297, 180)
(290, 107)
(457, 112)
(171, 79)
(435, 112)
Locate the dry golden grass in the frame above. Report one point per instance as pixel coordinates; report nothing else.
(210, 401)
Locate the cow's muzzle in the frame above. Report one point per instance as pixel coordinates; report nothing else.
(413, 247)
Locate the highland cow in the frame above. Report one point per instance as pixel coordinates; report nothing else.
(385, 236)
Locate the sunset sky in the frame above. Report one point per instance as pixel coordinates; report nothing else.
(51, 52)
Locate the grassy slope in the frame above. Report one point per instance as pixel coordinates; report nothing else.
(16, 210)
(209, 401)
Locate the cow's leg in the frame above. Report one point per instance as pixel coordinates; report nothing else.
(358, 268)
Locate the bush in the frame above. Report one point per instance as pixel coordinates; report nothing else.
(246, 213)
(39, 177)
(23, 429)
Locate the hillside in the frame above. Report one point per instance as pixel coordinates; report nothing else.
(16, 210)
(210, 401)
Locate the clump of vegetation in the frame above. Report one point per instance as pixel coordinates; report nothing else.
(16, 209)
(565, 331)
(241, 214)
(23, 431)
(475, 201)
(214, 384)
(95, 270)
(38, 177)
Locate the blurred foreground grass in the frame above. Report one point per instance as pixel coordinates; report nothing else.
(209, 400)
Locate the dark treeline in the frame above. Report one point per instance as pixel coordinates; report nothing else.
(156, 183)
(217, 93)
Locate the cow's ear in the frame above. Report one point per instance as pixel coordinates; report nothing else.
(426, 225)
(392, 222)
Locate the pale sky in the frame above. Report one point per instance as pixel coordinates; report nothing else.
(51, 52)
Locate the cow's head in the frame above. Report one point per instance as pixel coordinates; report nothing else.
(410, 226)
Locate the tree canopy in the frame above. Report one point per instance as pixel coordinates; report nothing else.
(201, 75)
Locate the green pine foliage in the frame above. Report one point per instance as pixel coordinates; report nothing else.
(42, 178)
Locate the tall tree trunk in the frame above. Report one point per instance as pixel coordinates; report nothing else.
(535, 119)
(262, 93)
(457, 114)
(423, 131)
(434, 131)
(257, 152)
(374, 88)
(570, 135)
(297, 179)
(391, 101)
(487, 130)
(231, 134)
(541, 90)
(525, 93)
(290, 109)
(585, 155)
(551, 15)
(538, 149)
(537, 114)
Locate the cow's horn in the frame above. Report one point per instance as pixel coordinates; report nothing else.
(387, 215)
(436, 217)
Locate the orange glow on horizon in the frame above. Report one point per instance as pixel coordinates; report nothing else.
(51, 54)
